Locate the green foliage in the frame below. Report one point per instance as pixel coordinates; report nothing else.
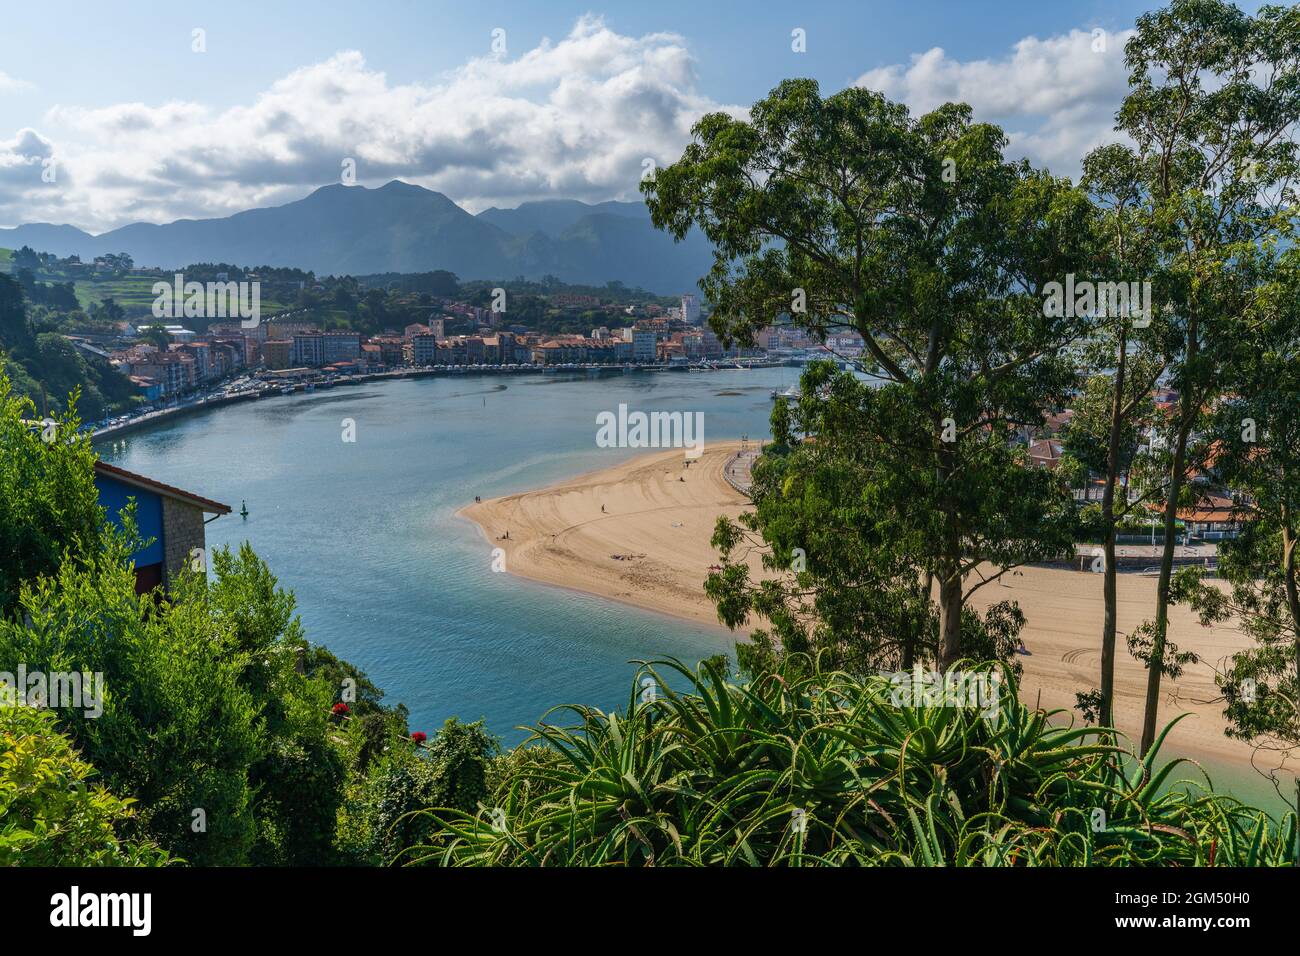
(216, 713)
(205, 708)
(370, 726)
(807, 767)
(298, 779)
(299, 789)
(383, 820)
(48, 501)
(1210, 111)
(1256, 436)
(1087, 436)
(845, 212)
(44, 366)
(177, 731)
(50, 812)
(855, 521)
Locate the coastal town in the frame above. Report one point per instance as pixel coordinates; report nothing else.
(291, 348)
(205, 353)
(172, 367)
(283, 357)
(671, 438)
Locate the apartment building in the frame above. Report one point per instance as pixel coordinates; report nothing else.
(424, 349)
(690, 309)
(340, 347)
(644, 343)
(308, 350)
(278, 353)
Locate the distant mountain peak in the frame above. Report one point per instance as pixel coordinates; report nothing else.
(403, 227)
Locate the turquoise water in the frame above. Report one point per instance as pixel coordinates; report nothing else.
(390, 579)
(387, 576)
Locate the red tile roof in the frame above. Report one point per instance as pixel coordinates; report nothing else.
(157, 487)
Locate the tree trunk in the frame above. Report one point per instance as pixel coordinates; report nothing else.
(1156, 666)
(949, 571)
(1293, 604)
(920, 625)
(1109, 623)
(950, 604)
(1106, 717)
(1292, 597)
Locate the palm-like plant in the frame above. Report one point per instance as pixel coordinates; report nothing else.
(805, 767)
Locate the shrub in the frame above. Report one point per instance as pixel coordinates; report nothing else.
(805, 767)
(50, 814)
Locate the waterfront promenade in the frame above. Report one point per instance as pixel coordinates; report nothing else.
(268, 389)
(738, 469)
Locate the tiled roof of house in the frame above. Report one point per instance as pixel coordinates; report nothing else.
(157, 487)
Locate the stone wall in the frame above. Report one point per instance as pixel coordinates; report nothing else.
(182, 532)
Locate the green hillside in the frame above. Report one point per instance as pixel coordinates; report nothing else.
(133, 292)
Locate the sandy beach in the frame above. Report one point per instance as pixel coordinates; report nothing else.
(649, 547)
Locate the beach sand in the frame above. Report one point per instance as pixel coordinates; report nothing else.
(660, 525)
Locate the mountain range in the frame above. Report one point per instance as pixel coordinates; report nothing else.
(399, 227)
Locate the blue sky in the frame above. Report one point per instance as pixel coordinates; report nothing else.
(139, 126)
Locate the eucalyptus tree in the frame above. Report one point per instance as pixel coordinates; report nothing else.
(847, 213)
(1257, 456)
(1105, 434)
(842, 579)
(1211, 113)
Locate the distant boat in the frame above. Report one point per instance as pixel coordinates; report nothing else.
(792, 393)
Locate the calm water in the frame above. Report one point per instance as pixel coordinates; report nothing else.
(390, 579)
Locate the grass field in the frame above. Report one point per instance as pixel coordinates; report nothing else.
(133, 293)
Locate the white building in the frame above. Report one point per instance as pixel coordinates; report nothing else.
(690, 309)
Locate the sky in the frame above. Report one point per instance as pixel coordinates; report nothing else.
(151, 110)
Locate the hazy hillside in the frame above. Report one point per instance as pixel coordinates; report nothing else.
(552, 216)
(44, 237)
(404, 228)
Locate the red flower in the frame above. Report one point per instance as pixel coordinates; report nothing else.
(419, 736)
(339, 709)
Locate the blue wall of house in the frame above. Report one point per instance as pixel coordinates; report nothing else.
(114, 495)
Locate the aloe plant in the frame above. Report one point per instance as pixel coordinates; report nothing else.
(806, 767)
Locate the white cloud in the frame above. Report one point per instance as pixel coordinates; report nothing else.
(1056, 97)
(10, 84)
(572, 118)
(22, 162)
